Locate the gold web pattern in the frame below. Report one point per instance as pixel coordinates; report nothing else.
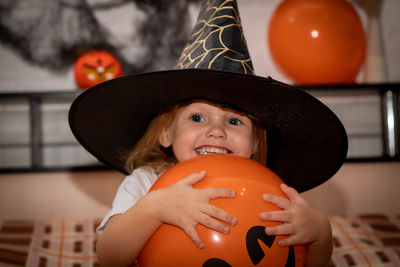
(217, 40)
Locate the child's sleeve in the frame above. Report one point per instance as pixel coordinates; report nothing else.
(131, 190)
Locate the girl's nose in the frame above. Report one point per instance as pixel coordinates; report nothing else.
(216, 130)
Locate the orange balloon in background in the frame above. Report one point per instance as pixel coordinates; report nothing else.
(246, 244)
(317, 41)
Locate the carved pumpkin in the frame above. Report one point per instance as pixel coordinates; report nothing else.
(96, 66)
(247, 244)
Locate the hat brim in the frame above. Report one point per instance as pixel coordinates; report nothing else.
(110, 118)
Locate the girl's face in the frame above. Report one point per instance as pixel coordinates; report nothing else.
(202, 128)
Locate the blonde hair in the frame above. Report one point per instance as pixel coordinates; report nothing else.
(149, 152)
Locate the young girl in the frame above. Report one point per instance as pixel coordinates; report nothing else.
(211, 103)
(183, 132)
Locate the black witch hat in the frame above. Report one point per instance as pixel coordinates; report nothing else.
(307, 143)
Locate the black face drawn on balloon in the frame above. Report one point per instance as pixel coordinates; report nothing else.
(214, 262)
(254, 249)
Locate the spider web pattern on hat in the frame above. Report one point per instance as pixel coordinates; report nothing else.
(213, 43)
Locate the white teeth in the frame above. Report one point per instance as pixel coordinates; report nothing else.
(211, 150)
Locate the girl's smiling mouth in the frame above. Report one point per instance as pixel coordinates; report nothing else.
(205, 150)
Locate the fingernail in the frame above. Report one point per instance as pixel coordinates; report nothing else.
(203, 172)
(226, 230)
(270, 231)
(201, 245)
(234, 221)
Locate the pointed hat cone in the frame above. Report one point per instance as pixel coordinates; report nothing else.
(217, 41)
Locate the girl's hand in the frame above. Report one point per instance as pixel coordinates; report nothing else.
(184, 206)
(302, 223)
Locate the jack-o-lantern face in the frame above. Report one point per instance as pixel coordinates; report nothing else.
(247, 244)
(96, 66)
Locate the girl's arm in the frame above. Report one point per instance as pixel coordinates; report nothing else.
(302, 224)
(125, 235)
(180, 205)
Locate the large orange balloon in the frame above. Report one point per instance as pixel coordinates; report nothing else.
(246, 244)
(317, 41)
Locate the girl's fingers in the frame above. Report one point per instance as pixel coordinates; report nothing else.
(277, 216)
(194, 178)
(214, 193)
(283, 229)
(215, 212)
(291, 240)
(213, 224)
(193, 235)
(291, 193)
(279, 201)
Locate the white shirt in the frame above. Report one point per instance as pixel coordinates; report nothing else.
(131, 190)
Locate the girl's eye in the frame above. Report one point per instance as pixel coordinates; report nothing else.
(197, 118)
(234, 121)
